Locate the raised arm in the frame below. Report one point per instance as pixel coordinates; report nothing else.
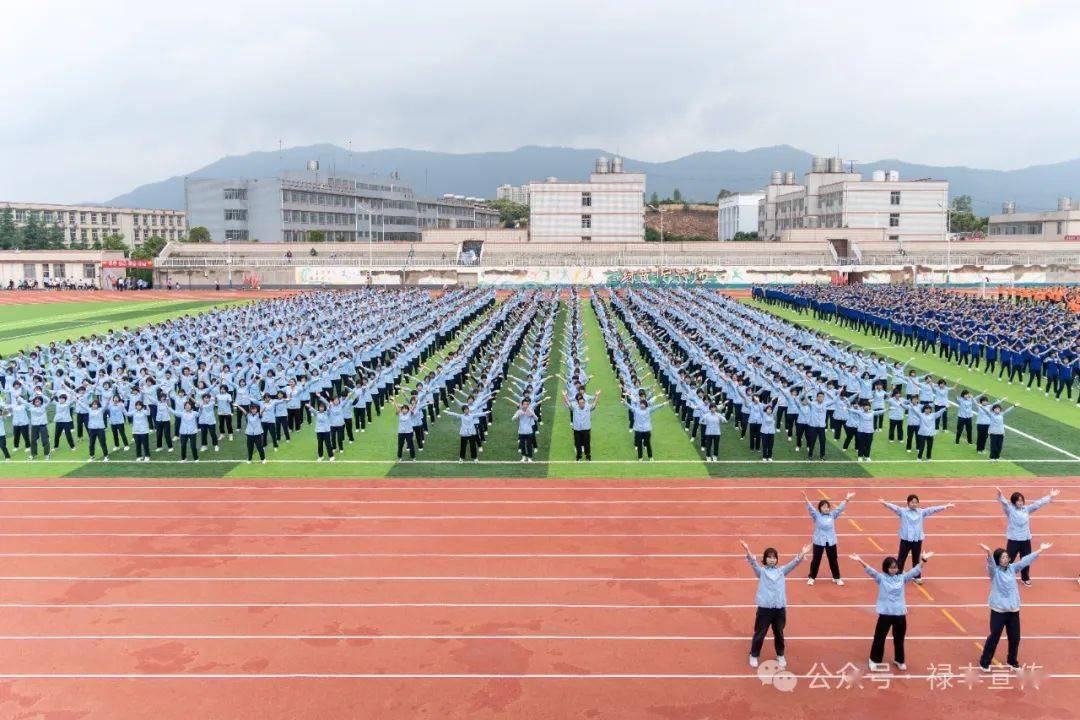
(1043, 500)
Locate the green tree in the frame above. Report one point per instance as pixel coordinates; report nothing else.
(962, 204)
(745, 236)
(511, 214)
(651, 234)
(54, 237)
(962, 217)
(32, 234)
(723, 194)
(9, 236)
(115, 243)
(150, 249)
(676, 195)
(654, 199)
(197, 235)
(316, 236)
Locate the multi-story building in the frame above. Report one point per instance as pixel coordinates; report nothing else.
(513, 193)
(737, 213)
(608, 207)
(87, 224)
(344, 207)
(1060, 224)
(830, 197)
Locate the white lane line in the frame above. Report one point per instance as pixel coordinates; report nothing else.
(890, 535)
(993, 502)
(626, 638)
(430, 555)
(732, 485)
(463, 676)
(756, 462)
(802, 519)
(439, 578)
(458, 605)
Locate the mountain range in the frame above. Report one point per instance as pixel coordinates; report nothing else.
(699, 176)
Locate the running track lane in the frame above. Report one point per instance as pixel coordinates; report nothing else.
(652, 625)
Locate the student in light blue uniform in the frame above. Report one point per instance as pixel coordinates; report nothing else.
(1018, 524)
(924, 440)
(996, 431)
(3, 434)
(466, 431)
(581, 410)
(526, 420)
(771, 599)
(643, 412)
(891, 607)
(824, 539)
(965, 411)
(140, 431)
(912, 532)
(1004, 602)
(711, 421)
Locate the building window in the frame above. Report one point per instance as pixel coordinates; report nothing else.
(894, 197)
(1058, 227)
(894, 219)
(586, 199)
(29, 271)
(235, 194)
(45, 271)
(586, 238)
(235, 214)
(586, 221)
(241, 235)
(59, 271)
(894, 238)
(89, 271)
(115, 218)
(82, 217)
(82, 234)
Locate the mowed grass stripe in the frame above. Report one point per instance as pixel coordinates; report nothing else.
(501, 444)
(112, 318)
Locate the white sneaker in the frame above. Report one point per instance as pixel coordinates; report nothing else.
(839, 582)
(781, 661)
(318, 459)
(332, 459)
(809, 581)
(901, 666)
(126, 448)
(264, 461)
(248, 462)
(753, 661)
(878, 667)
(217, 448)
(105, 459)
(202, 449)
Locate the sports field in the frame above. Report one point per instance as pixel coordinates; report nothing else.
(611, 589)
(1043, 438)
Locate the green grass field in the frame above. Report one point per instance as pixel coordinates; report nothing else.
(1048, 441)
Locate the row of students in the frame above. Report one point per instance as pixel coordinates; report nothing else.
(1002, 567)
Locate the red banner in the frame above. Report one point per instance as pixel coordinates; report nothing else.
(144, 264)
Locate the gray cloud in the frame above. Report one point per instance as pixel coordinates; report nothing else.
(100, 99)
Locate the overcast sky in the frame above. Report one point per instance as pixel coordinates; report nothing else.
(102, 97)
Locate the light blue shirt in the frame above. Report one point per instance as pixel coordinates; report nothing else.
(1004, 594)
(580, 417)
(890, 597)
(1018, 520)
(825, 524)
(771, 588)
(911, 521)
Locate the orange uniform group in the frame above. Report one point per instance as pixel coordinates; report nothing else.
(1057, 294)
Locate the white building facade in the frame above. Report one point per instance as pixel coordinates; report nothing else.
(88, 224)
(830, 197)
(737, 213)
(513, 193)
(608, 207)
(1048, 225)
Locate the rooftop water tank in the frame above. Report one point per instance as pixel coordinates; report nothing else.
(602, 165)
(616, 164)
(777, 177)
(1064, 203)
(1008, 208)
(789, 177)
(836, 165)
(878, 176)
(819, 164)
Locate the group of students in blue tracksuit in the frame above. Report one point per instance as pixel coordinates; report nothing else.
(1002, 566)
(1036, 341)
(329, 359)
(720, 361)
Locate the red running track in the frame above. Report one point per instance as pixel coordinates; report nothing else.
(500, 598)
